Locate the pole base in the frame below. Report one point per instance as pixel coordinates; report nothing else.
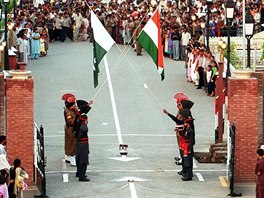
(123, 149)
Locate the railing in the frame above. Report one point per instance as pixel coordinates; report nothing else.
(231, 160)
(40, 161)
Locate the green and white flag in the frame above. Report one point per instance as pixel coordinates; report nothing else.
(150, 40)
(102, 43)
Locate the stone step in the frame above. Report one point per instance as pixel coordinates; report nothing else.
(224, 144)
(212, 150)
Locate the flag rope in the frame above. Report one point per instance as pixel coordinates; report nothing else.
(123, 54)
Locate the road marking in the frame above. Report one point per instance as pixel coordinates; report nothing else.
(65, 178)
(146, 86)
(194, 164)
(133, 191)
(223, 181)
(68, 90)
(63, 164)
(137, 171)
(112, 96)
(124, 158)
(199, 176)
(130, 179)
(114, 134)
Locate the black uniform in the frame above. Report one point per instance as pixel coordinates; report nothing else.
(188, 135)
(82, 146)
(82, 158)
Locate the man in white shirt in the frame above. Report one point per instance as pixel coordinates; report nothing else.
(2, 144)
(3, 159)
(186, 36)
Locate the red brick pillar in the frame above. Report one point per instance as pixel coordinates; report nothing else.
(243, 111)
(12, 60)
(20, 120)
(260, 77)
(2, 107)
(21, 65)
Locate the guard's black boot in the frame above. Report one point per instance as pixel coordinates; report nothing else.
(85, 179)
(186, 179)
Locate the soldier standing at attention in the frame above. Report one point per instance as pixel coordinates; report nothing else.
(69, 138)
(82, 147)
(183, 102)
(188, 135)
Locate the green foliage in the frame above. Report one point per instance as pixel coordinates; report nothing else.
(234, 59)
(11, 5)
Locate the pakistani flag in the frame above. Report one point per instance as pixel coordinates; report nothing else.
(150, 40)
(102, 43)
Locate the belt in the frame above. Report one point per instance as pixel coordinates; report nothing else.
(84, 140)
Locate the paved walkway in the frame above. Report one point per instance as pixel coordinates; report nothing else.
(140, 97)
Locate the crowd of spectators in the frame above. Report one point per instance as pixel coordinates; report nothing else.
(38, 23)
(12, 182)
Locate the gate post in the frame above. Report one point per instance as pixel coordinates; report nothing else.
(20, 120)
(243, 111)
(2, 104)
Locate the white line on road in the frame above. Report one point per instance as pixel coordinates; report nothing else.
(68, 90)
(65, 178)
(194, 164)
(112, 96)
(63, 164)
(114, 134)
(132, 189)
(199, 176)
(146, 86)
(138, 171)
(130, 179)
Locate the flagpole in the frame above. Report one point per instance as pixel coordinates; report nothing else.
(112, 96)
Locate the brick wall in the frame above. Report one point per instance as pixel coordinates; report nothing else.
(243, 111)
(260, 77)
(20, 122)
(2, 109)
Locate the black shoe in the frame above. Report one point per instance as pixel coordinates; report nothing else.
(85, 179)
(67, 161)
(139, 54)
(178, 163)
(77, 175)
(186, 179)
(177, 158)
(199, 88)
(179, 173)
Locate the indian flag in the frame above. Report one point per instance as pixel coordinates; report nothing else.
(102, 43)
(150, 40)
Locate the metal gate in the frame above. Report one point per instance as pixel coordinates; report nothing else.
(39, 161)
(231, 160)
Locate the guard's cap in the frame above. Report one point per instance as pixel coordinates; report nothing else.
(187, 104)
(66, 96)
(185, 113)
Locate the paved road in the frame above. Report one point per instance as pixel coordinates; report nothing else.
(140, 97)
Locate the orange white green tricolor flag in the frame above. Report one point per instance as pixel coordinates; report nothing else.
(150, 40)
